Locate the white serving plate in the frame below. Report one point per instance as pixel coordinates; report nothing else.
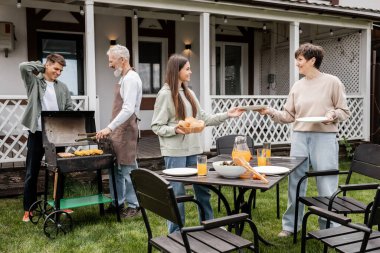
(271, 170)
(180, 172)
(312, 119)
(253, 107)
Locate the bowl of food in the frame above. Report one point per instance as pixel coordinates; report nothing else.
(228, 169)
(191, 125)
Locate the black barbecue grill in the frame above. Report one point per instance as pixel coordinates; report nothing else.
(60, 131)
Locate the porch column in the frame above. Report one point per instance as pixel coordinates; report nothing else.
(213, 56)
(204, 59)
(294, 43)
(257, 47)
(272, 72)
(135, 42)
(90, 59)
(364, 80)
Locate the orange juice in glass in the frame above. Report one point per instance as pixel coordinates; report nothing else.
(261, 157)
(267, 148)
(246, 154)
(241, 149)
(202, 165)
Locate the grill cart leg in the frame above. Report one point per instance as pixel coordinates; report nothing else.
(115, 194)
(46, 184)
(58, 189)
(55, 190)
(100, 190)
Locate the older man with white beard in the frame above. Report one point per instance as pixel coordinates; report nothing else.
(123, 129)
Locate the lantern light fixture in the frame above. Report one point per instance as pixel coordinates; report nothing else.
(81, 10)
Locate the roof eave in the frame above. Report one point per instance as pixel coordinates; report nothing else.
(372, 16)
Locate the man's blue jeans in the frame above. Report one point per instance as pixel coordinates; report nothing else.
(124, 187)
(202, 194)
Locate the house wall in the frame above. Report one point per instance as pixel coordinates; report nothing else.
(188, 33)
(10, 81)
(106, 28)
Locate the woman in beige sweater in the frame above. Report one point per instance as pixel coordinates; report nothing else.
(316, 94)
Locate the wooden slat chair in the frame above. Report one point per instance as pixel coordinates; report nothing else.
(349, 238)
(224, 145)
(155, 194)
(366, 161)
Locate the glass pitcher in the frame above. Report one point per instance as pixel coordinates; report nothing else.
(241, 148)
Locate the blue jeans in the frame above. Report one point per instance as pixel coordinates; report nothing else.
(202, 194)
(124, 187)
(321, 149)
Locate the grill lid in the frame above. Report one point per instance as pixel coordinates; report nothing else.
(62, 127)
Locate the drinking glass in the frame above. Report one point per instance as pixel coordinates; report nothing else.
(202, 165)
(261, 157)
(266, 146)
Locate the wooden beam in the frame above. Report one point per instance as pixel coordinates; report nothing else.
(41, 14)
(140, 20)
(59, 26)
(31, 34)
(231, 38)
(163, 24)
(243, 31)
(78, 17)
(128, 39)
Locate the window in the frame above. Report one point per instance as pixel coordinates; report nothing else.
(231, 69)
(70, 46)
(152, 52)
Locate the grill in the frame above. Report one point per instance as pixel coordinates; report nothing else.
(60, 131)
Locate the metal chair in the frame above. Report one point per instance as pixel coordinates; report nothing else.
(155, 194)
(366, 161)
(349, 237)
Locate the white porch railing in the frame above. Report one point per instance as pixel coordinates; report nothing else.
(262, 129)
(12, 136)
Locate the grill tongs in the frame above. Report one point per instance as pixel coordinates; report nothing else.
(90, 137)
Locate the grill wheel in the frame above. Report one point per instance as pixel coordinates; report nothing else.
(56, 223)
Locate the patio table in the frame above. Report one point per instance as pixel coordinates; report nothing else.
(214, 179)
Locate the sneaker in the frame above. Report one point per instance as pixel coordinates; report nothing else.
(25, 218)
(130, 212)
(284, 233)
(112, 209)
(68, 211)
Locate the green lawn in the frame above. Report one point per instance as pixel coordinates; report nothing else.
(93, 233)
